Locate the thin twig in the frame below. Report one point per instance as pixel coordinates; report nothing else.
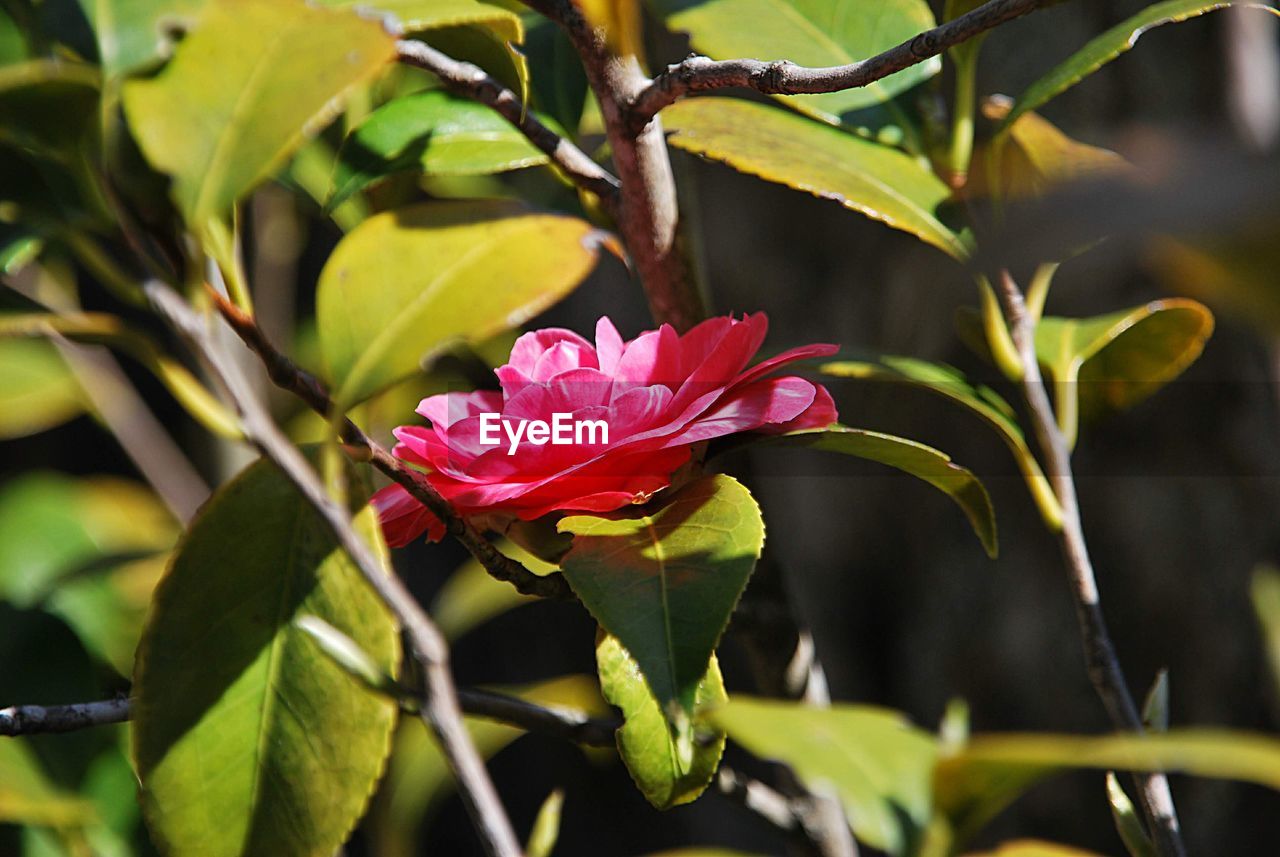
(471, 81)
(700, 74)
(287, 375)
(1100, 656)
(440, 708)
(564, 723)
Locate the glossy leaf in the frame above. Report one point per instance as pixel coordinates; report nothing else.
(244, 90)
(135, 34)
(28, 797)
(876, 762)
(882, 183)
(980, 400)
(1034, 155)
(909, 456)
(407, 284)
(418, 776)
(664, 582)
(247, 738)
(811, 33)
(37, 389)
(1111, 44)
(417, 16)
(434, 132)
(546, 826)
(471, 596)
(1114, 361)
(671, 763)
(977, 782)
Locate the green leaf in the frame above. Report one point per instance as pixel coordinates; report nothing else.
(1034, 848)
(409, 283)
(37, 389)
(135, 34)
(666, 581)
(28, 797)
(1128, 822)
(1111, 362)
(546, 827)
(418, 776)
(671, 763)
(981, 779)
(417, 16)
(703, 852)
(876, 762)
(980, 400)
(909, 456)
(882, 183)
(434, 132)
(471, 596)
(1233, 270)
(811, 33)
(1111, 44)
(1265, 594)
(248, 739)
(242, 93)
(47, 106)
(1034, 156)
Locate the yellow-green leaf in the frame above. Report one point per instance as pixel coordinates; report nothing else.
(1111, 44)
(1114, 361)
(876, 762)
(28, 797)
(135, 34)
(671, 762)
(665, 581)
(1034, 848)
(406, 284)
(811, 33)
(244, 90)
(37, 389)
(546, 827)
(1034, 155)
(1265, 593)
(471, 596)
(760, 140)
(247, 738)
(417, 16)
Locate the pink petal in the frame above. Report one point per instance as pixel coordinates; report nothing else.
(804, 352)
(652, 357)
(820, 414)
(530, 346)
(445, 409)
(403, 518)
(773, 400)
(562, 357)
(608, 345)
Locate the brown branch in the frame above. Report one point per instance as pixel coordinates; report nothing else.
(290, 377)
(571, 725)
(1100, 655)
(463, 78)
(439, 703)
(700, 74)
(647, 213)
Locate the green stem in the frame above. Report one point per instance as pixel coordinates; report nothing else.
(1038, 291)
(962, 116)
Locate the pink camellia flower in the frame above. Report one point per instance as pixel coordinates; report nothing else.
(658, 395)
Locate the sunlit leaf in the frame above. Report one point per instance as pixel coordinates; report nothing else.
(28, 797)
(909, 456)
(546, 827)
(418, 775)
(876, 762)
(407, 284)
(978, 781)
(37, 389)
(1034, 848)
(882, 183)
(417, 16)
(1034, 155)
(244, 90)
(810, 33)
(665, 582)
(432, 132)
(135, 34)
(1114, 361)
(1111, 44)
(1127, 820)
(248, 739)
(671, 763)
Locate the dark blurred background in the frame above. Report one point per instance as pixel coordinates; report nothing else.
(1180, 495)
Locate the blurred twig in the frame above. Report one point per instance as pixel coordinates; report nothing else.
(35, 719)
(1100, 656)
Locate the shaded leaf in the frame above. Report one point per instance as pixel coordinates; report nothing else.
(882, 183)
(1033, 155)
(1111, 44)
(546, 826)
(810, 33)
(407, 284)
(665, 582)
(244, 90)
(434, 132)
(1232, 271)
(135, 34)
(981, 779)
(909, 456)
(1265, 593)
(671, 762)
(1128, 822)
(247, 738)
(28, 797)
(1114, 361)
(418, 776)
(1034, 848)
(980, 400)
(876, 762)
(471, 596)
(37, 389)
